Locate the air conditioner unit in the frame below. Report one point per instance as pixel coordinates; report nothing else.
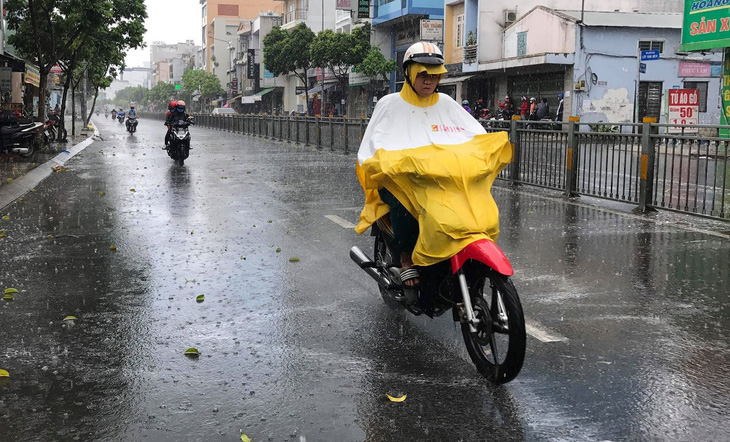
(509, 17)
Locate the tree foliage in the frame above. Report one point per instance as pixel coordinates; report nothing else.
(338, 52)
(375, 64)
(288, 52)
(204, 83)
(91, 35)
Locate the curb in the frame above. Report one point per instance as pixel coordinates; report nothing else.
(20, 186)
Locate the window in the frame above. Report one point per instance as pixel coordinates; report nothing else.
(651, 45)
(460, 31)
(521, 44)
(701, 86)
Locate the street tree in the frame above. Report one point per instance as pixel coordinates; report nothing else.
(161, 94)
(201, 82)
(49, 31)
(339, 52)
(288, 53)
(375, 65)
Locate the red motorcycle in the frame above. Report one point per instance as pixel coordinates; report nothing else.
(474, 285)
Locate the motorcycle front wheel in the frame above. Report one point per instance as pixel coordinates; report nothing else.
(498, 346)
(383, 258)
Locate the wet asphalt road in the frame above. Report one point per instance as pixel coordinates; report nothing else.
(628, 315)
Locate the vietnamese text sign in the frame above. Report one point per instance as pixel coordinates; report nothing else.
(690, 69)
(345, 5)
(6, 79)
(684, 107)
(706, 25)
(363, 8)
(650, 55)
(725, 98)
(32, 76)
(432, 30)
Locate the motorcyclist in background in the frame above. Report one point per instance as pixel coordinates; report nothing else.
(173, 116)
(132, 111)
(170, 108)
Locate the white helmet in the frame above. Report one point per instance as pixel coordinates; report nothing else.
(424, 53)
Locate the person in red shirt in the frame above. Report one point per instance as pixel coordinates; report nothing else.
(524, 108)
(170, 108)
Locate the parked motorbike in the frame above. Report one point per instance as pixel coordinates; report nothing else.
(120, 117)
(474, 283)
(18, 137)
(179, 147)
(132, 124)
(50, 128)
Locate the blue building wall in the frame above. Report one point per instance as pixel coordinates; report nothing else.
(608, 63)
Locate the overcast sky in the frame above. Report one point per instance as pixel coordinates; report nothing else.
(169, 21)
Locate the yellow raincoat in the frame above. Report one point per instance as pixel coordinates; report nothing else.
(440, 164)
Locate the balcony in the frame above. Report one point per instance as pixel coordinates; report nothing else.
(296, 16)
(470, 54)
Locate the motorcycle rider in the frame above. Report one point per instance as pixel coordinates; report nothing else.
(465, 105)
(132, 111)
(170, 108)
(524, 108)
(543, 110)
(173, 116)
(415, 116)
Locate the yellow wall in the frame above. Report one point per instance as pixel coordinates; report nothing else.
(451, 53)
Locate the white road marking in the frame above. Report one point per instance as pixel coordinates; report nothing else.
(542, 334)
(340, 221)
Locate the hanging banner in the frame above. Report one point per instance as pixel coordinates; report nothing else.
(32, 76)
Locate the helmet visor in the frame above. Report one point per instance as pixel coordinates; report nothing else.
(432, 69)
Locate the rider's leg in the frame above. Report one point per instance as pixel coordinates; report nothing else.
(405, 231)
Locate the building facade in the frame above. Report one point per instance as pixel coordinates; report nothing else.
(231, 9)
(169, 61)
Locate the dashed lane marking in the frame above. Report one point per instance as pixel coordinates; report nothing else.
(340, 221)
(542, 334)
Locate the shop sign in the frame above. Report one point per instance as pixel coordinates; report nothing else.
(363, 8)
(432, 30)
(706, 25)
(693, 69)
(724, 132)
(234, 86)
(250, 66)
(6, 76)
(32, 76)
(684, 105)
(344, 5)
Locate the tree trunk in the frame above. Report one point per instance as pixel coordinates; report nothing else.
(73, 111)
(93, 105)
(62, 132)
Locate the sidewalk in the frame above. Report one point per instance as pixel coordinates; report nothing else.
(13, 168)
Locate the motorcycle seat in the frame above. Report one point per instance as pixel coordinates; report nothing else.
(9, 130)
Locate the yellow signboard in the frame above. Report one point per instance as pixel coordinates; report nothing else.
(32, 76)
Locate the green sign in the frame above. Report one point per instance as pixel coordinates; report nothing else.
(178, 87)
(706, 25)
(725, 114)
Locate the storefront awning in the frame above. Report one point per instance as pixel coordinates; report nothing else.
(262, 92)
(317, 89)
(454, 80)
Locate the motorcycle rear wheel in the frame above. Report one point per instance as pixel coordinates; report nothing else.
(498, 347)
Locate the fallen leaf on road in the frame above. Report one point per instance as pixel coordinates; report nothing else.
(49, 236)
(397, 399)
(192, 351)
(245, 438)
(6, 217)
(15, 168)
(10, 290)
(293, 259)
(278, 249)
(132, 190)
(200, 298)
(102, 193)
(113, 248)
(5, 374)
(70, 318)
(9, 180)
(9, 297)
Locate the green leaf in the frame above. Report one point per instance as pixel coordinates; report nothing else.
(5, 374)
(294, 259)
(245, 438)
(9, 297)
(200, 298)
(192, 351)
(10, 290)
(278, 249)
(70, 318)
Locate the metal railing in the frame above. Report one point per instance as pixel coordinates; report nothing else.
(640, 164)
